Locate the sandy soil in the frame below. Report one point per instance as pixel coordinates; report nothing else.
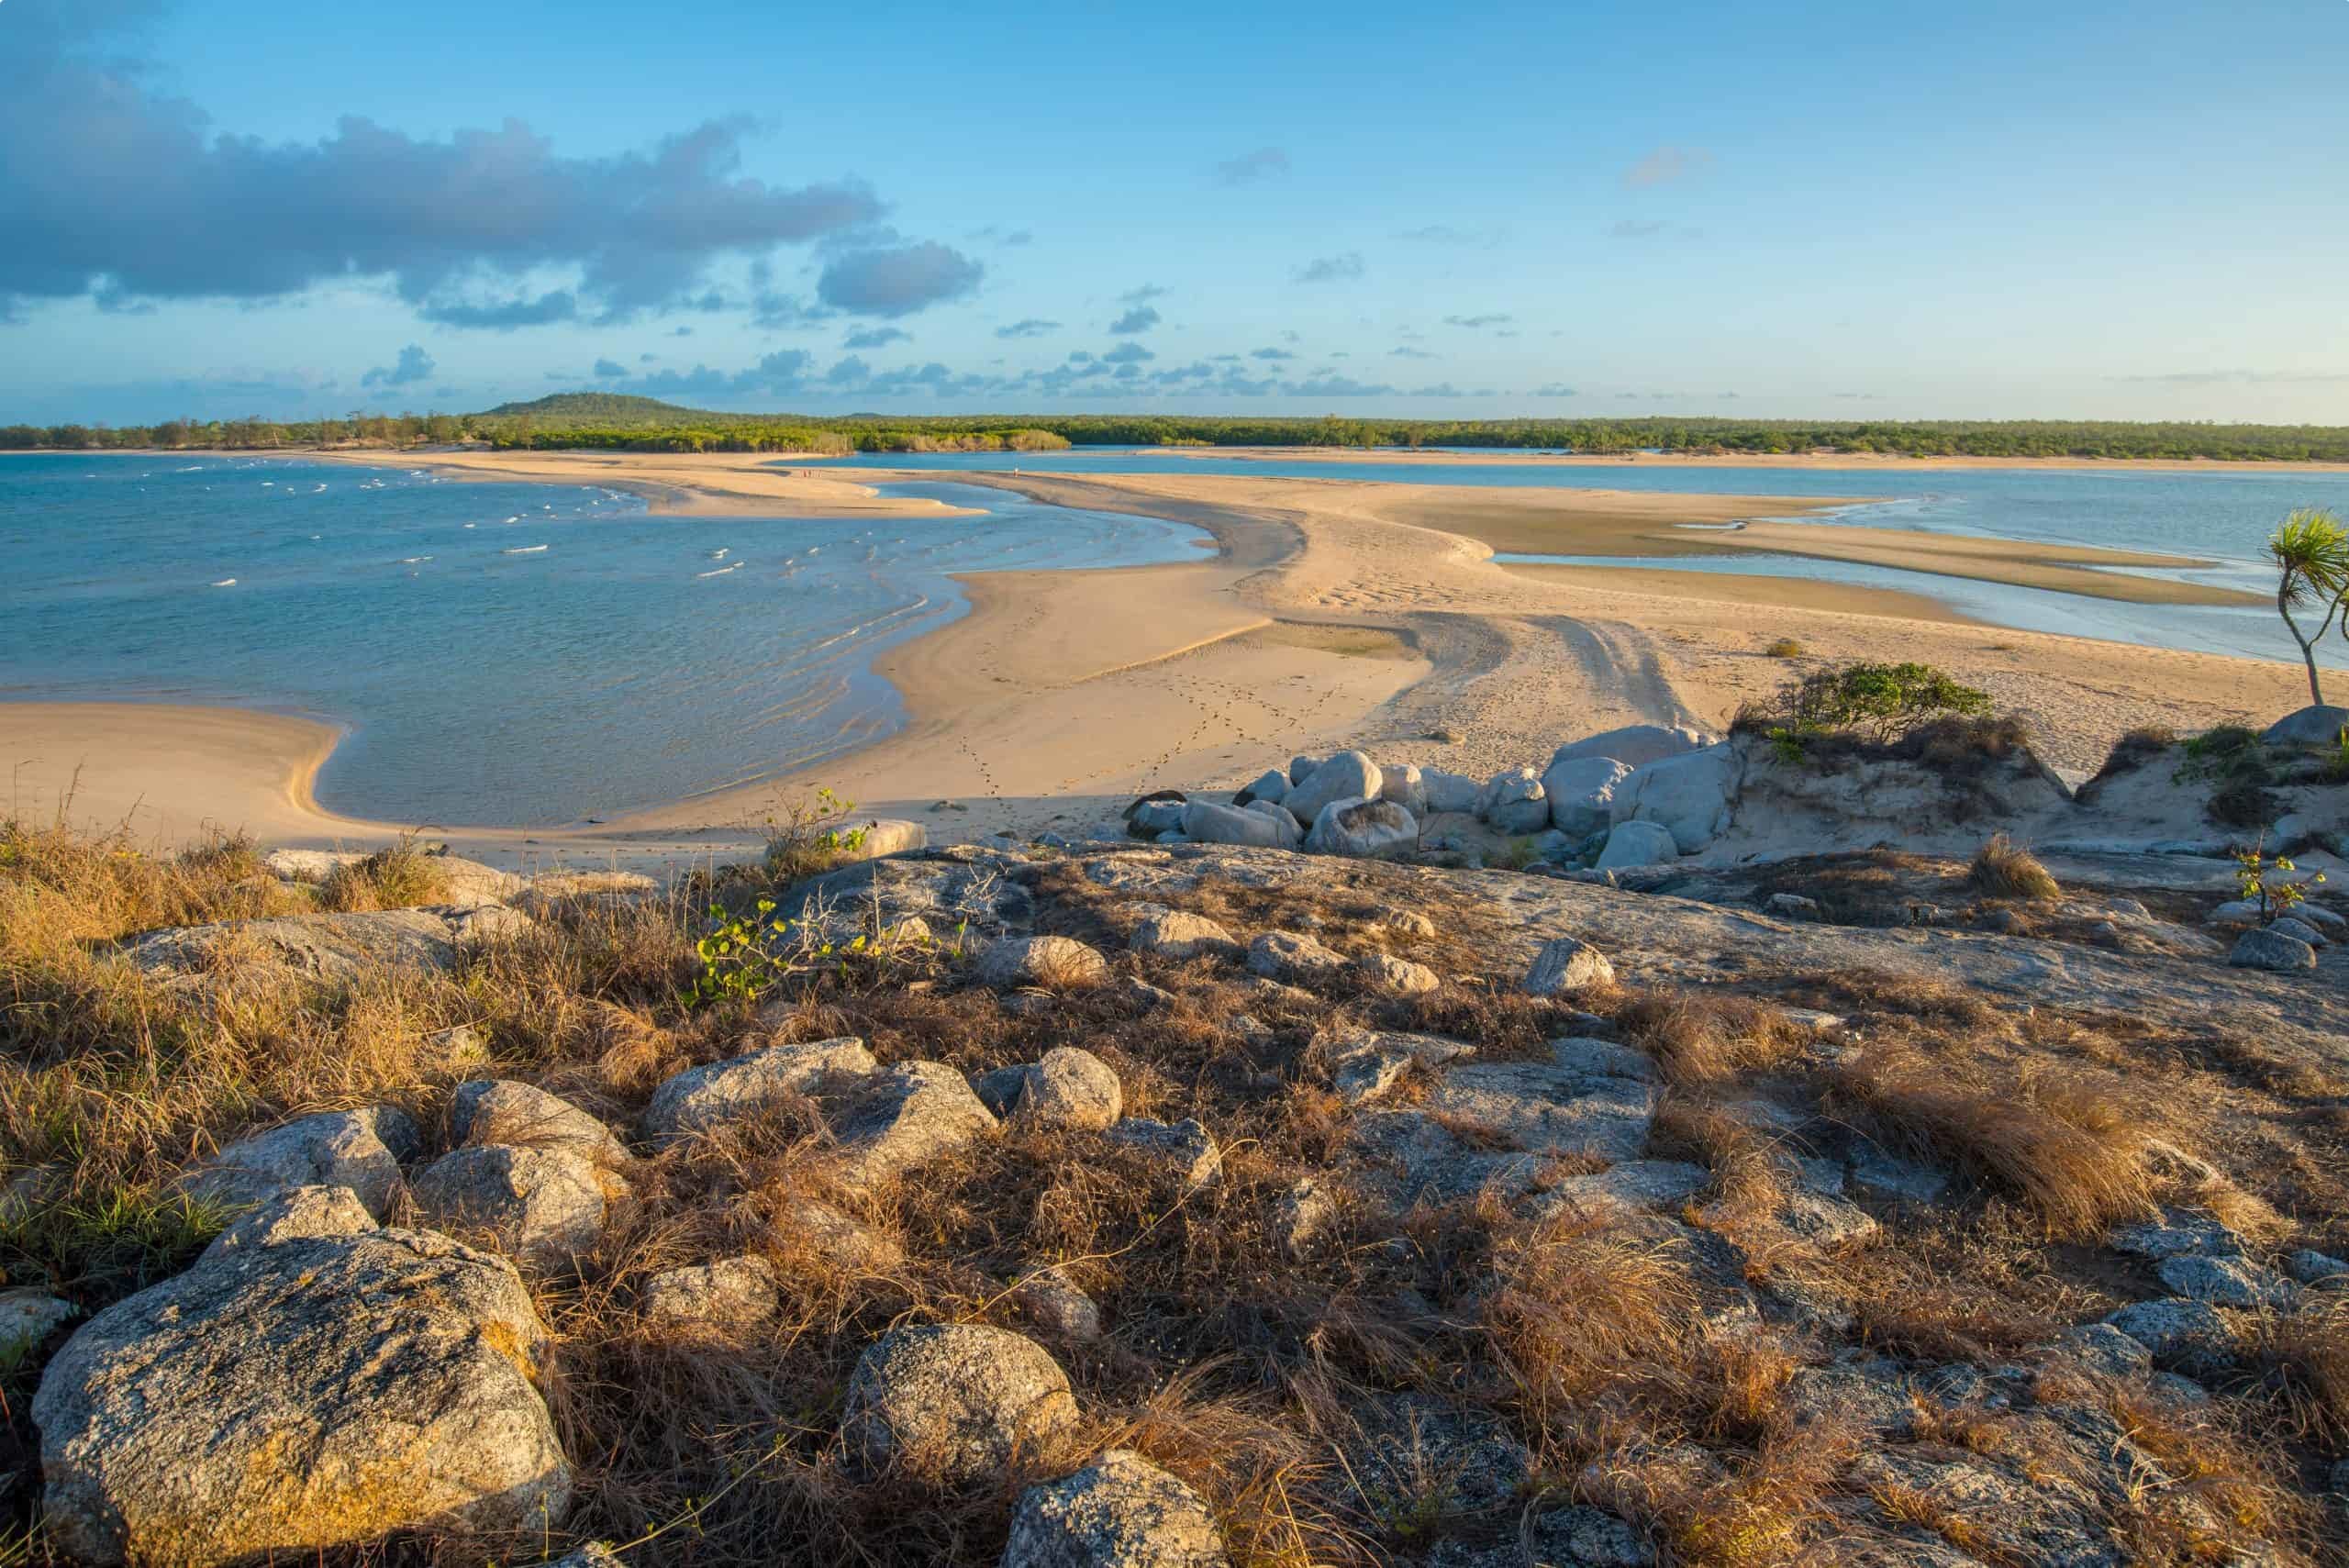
(674, 485)
(1336, 612)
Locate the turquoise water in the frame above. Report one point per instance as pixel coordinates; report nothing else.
(2222, 516)
(499, 653)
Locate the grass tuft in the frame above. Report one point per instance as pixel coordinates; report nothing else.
(2002, 869)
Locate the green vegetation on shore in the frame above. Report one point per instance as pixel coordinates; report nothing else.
(613, 422)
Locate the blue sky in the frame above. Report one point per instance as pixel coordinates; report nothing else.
(2002, 210)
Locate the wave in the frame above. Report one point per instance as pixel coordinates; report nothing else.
(412, 560)
(225, 583)
(718, 555)
(721, 571)
(524, 550)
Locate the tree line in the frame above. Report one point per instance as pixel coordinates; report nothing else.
(605, 421)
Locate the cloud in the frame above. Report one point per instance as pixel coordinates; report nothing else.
(1339, 386)
(682, 332)
(1141, 318)
(414, 365)
(1409, 353)
(647, 359)
(1665, 165)
(1143, 295)
(1028, 326)
(991, 234)
(609, 370)
(1272, 354)
(1262, 163)
(1445, 234)
(188, 213)
(876, 338)
(1019, 237)
(504, 316)
(1477, 323)
(1127, 354)
(1331, 269)
(898, 280)
(1555, 389)
(1635, 228)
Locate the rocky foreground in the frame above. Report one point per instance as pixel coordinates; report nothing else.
(1178, 1203)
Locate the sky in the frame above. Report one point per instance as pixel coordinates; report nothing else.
(1570, 209)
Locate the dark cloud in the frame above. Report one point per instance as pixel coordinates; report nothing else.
(188, 213)
(1665, 165)
(1272, 354)
(1409, 353)
(609, 370)
(682, 332)
(775, 311)
(647, 359)
(414, 365)
(1474, 323)
(1028, 327)
(1141, 318)
(1127, 354)
(898, 280)
(876, 338)
(1331, 269)
(1262, 163)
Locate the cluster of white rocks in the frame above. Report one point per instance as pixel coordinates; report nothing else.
(1630, 796)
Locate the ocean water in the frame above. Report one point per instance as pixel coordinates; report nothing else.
(498, 654)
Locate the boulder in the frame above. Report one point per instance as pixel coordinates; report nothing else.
(1289, 956)
(1581, 793)
(1271, 784)
(360, 1149)
(2309, 727)
(1638, 844)
(2299, 930)
(1054, 1303)
(906, 1117)
(1635, 745)
(1300, 765)
(2264, 947)
(2177, 1233)
(1450, 792)
(1365, 1065)
(730, 1295)
(1567, 964)
(1175, 934)
(1306, 1216)
(1512, 802)
(293, 1214)
(835, 1236)
(330, 949)
(1120, 1511)
(1206, 823)
(1349, 775)
(28, 1317)
(701, 1098)
(546, 1207)
(2225, 1282)
(1396, 974)
(1069, 1089)
(1053, 963)
(1185, 1147)
(2188, 1336)
(301, 1398)
(1161, 813)
(1687, 794)
(1279, 814)
(2311, 1267)
(1363, 829)
(501, 1111)
(1402, 784)
(956, 1402)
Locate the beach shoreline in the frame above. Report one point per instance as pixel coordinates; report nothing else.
(1335, 613)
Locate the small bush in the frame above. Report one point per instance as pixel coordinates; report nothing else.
(809, 838)
(2003, 870)
(1885, 701)
(1784, 647)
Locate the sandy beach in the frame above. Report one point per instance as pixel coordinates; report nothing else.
(1889, 462)
(1335, 613)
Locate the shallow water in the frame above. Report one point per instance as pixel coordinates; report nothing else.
(2223, 516)
(500, 653)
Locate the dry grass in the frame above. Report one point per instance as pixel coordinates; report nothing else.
(401, 876)
(2068, 1141)
(1623, 1354)
(2002, 869)
(1784, 648)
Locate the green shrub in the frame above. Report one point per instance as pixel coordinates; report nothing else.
(1885, 701)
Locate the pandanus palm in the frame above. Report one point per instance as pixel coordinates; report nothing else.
(2311, 550)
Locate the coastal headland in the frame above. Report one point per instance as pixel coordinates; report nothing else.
(1334, 612)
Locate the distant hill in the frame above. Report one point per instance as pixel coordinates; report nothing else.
(600, 406)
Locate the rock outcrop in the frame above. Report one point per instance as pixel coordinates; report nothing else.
(1120, 1511)
(956, 1402)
